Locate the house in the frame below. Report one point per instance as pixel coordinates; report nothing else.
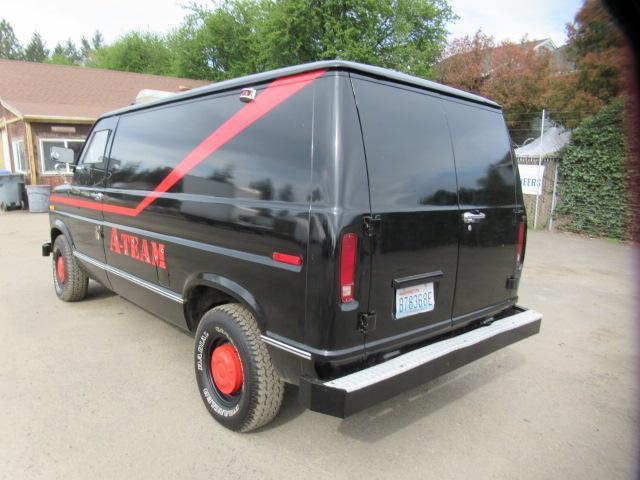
(44, 105)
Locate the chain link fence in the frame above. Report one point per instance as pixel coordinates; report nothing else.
(540, 207)
(538, 138)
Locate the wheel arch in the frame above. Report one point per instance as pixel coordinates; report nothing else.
(58, 228)
(204, 291)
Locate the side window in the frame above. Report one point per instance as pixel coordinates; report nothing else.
(95, 150)
(482, 149)
(408, 147)
(269, 160)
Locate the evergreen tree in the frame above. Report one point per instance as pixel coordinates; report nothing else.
(97, 41)
(66, 54)
(86, 50)
(36, 51)
(72, 52)
(9, 46)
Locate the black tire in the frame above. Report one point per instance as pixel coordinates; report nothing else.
(259, 398)
(71, 282)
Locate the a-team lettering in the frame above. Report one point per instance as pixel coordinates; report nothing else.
(140, 249)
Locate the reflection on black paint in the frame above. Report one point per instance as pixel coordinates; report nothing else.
(408, 149)
(441, 197)
(148, 145)
(483, 155)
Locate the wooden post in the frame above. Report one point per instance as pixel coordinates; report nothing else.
(33, 168)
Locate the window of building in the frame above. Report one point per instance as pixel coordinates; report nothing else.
(48, 165)
(19, 156)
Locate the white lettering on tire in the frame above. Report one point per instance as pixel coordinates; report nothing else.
(201, 342)
(223, 412)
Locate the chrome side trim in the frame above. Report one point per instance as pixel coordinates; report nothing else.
(286, 347)
(78, 217)
(138, 281)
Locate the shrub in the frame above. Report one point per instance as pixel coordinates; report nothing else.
(593, 170)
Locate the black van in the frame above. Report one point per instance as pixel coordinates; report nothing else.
(345, 228)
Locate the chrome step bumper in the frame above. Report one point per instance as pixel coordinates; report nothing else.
(346, 395)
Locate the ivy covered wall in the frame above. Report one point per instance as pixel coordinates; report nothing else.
(593, 170)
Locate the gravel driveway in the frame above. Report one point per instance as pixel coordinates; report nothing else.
(102, 389)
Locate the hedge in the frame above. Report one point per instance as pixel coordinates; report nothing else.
(592, 168)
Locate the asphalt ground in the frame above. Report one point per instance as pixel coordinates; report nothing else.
(102, 389)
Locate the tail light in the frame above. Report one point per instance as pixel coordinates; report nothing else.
(521, 230)
(348, 255)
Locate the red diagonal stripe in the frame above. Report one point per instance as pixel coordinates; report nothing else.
(276, 93)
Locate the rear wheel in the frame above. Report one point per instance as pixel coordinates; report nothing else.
(69, 279)
(235, 376)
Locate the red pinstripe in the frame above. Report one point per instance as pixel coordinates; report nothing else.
(277, 92)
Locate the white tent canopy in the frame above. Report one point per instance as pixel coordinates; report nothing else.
(552, 141)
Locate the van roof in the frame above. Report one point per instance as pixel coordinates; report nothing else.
(247, 80)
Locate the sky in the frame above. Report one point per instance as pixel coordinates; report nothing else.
(58, 20)
(511, 20)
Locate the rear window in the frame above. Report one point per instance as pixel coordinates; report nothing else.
(408, 147)
(269, 160)
(483, 155)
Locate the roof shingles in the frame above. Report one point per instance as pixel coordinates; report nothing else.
(40, 89)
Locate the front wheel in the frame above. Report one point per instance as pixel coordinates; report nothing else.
(69, 279)
(235, 376)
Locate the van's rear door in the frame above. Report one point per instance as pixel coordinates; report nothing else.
(413, 190)
(487, 195)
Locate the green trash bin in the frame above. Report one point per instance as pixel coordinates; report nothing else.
(11, 187)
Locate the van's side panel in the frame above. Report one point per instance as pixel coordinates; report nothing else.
(486, 185)
(227, 215)
(339, 200)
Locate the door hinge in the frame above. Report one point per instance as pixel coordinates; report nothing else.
(372, 224)
(366, 322)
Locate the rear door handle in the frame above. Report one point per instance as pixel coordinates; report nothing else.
(473, 217)
(97, 196)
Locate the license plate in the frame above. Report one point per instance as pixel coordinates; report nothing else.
(415, 299)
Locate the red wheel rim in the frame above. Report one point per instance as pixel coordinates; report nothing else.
(60, 268)
(226, 369)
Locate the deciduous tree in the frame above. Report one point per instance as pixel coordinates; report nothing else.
(516, 75)
(597, 46)
(245, 36)
(141, 52)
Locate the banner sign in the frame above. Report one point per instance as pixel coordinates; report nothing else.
(531, 177)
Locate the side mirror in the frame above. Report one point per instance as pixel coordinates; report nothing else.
(62, 155)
